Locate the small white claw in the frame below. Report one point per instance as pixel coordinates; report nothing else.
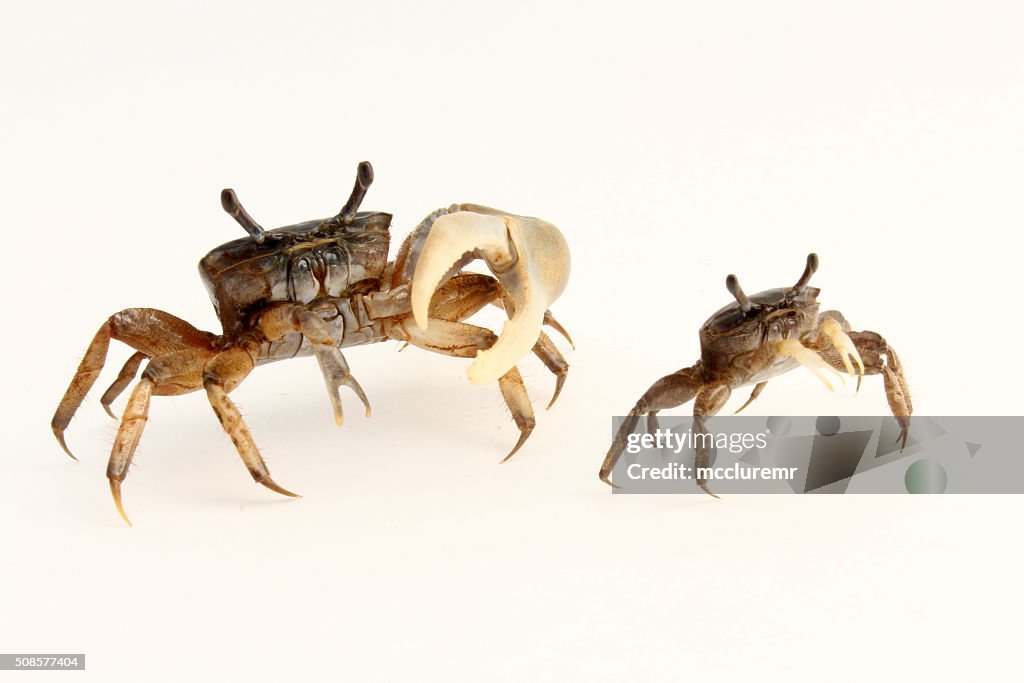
(528, 256)
(809, 359)
(844, 345)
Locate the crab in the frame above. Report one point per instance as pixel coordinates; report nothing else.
(316, 287)
(759, 337)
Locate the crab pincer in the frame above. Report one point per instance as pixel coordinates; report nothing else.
(528, 256)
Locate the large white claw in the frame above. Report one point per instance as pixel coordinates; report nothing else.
(527, 255)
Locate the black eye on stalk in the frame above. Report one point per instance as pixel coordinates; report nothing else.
(364, 178)
(732, 283)
(234, 208)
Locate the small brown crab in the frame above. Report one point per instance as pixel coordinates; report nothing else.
(316, 287)
(759, 337)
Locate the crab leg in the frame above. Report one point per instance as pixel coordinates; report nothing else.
(753, 396)
(513, 390)
(553, 359)
(222, 374)
(124, 378)
(710, 399)
(809, 359)
(668, 392)
(880, 359)
(550, 321)
(463, 340)
(88, 370)
(147, 330)
(463, 296)
(171, 374)
(136, 413)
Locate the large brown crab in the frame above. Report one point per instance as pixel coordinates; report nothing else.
(316, 287)
(759, 337)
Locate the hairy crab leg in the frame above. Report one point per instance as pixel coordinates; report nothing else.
(753, 395)
(464, 295)
(513, 390)
(136, 413)
(550, 321)
(85, 376)
(553, 359)
(222, 374)
(668, 392)
(463, 340)
(710, 399)
(880, 359)
(148, 330)
(171, 374)
(545, 349)
(124, 378)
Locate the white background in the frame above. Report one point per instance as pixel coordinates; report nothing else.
(673, 143)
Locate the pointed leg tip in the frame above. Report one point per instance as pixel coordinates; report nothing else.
(63, 444)
(557, 326)
(558, 391)
(902, 439)
(708, 491)
(743, 407)
(606, 478)
(523, 436)
(115, 491)
(277, 488)
(106, 407)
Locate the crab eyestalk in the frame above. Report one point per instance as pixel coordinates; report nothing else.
(732, 283)
(229, 200)
(364, 178)
(809, 270)
(528, 256)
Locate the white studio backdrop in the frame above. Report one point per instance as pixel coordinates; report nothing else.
(673, 143)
